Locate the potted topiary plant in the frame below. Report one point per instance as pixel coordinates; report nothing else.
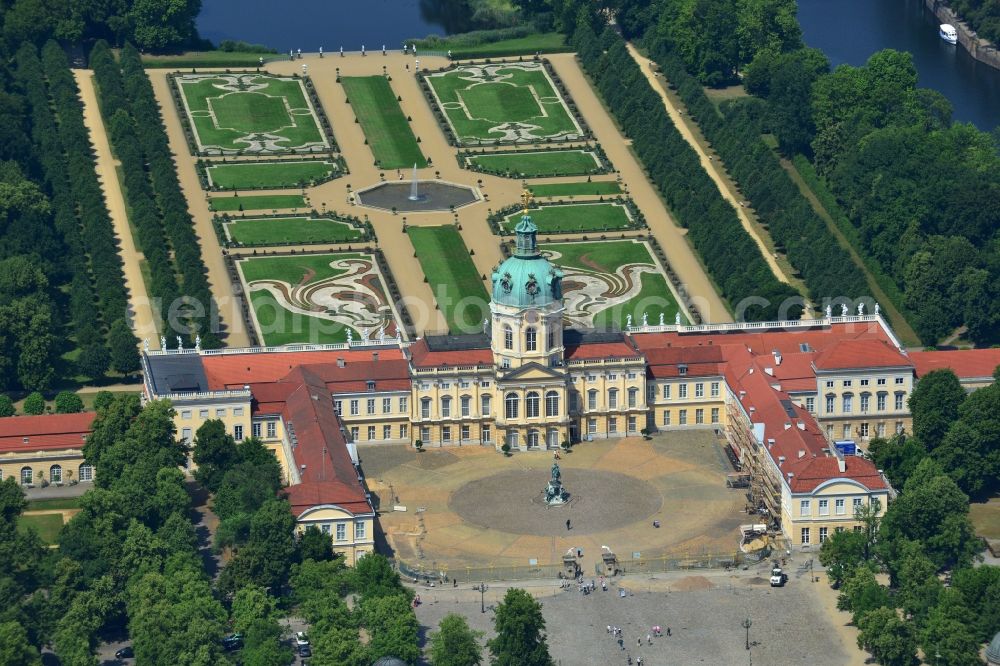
(419, 444)
(646, 434)
(505, 448)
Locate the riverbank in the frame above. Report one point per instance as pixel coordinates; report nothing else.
(982, 50)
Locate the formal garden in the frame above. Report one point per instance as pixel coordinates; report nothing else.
(502, 103)
(251, 113)
(577, 189)
(290, 230)
(606, 282)
(387, 130)
(447, 266)
(555, 218)
(269, 174)
(236, 202)
(537, 163)
(317, 298)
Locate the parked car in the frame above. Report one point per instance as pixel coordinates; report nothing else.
(301, 638)
(125, 653)
(304, 651)
(778, 577)
(232, 642)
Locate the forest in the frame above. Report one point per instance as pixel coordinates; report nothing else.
(983, 16)
(177, 274)
(62, 299)
(154, 25)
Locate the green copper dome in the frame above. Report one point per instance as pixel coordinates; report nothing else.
(527, 279)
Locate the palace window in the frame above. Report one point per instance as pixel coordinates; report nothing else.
(715, 389)
(811, 404)
(633, 397)
(699, 415)
(847, 431)
(592, 426)
(531, 404)
(666, 417)
(839, 507)
(512, 439)
(425, 433)
(404, 404)
(466, 405)
(55, 474)
(338, 407)
(900, 397)
(445, 407)
(355, 408)
(425, 408)
(370, 405)
(446, 433)
(666, 391)
(551, 339)
(370, 385)
(552, 403)
(848, 403)
(530, 339)
(699, 390)
(804, 508)
(632, 424)
(864, 430)
(881, 400)
(238, 433)
(823, 531)
(900, 380)
(386, 405)
(682, 417)
(403, 431)
(880, 381)
(341, 532)
(272, 429)
(856, 503)
(484, 434)
(866, 399)
(371, 433)
(847, 383)
(86, 472)
(511, 404)
(26, 476)
(533, 440)
(613, 399)
(805, 536)
(592, 399)
(485, 405)
(255, 429)
(824, 507)
(682, 391)
(715, 414)
(354, 434)
(508, 337)
(387, 432)
(830, 403)
(552, 438)
(465, 433)
(612, 424)
(864, 382)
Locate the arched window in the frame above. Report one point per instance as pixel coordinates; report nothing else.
(511, 403)
(530, 339)
(26, 475)
(592, 399)
(485, 406)
(445, 406)
(55, 474)
(508, 337)
(612, 398)
(532, 404)
(552, 403)
(866, 399)
(425, 408)
(532, 439)
(86, 472)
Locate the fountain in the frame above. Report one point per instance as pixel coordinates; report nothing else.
(555, 494)
(413, 186)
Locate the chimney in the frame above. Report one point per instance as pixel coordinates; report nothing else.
(841, 465)
(788, 426)
(777, 356)
(375, 356)
(802, 454)
(801, 425)
(340, 362)
(781, 460)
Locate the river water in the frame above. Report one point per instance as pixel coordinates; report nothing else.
(309, 24)
(849, 31)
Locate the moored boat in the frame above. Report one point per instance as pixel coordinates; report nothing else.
(948, 33)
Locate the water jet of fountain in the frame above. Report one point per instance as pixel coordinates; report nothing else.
(413, 185)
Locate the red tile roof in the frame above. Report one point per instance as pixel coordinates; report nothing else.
(810, 473)
(236, 370)
(48, 432)
(422, 357)
(850, 354)
(601, 350)
(966, 363)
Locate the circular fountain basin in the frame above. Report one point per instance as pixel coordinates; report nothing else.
(432, 195)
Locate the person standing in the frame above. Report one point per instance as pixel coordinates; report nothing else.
(567, 523)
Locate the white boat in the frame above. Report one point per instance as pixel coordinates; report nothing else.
(948, 33)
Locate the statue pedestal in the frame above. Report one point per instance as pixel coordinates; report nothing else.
(554, 493)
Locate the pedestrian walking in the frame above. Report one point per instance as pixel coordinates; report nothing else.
(668, 631)
(649, 639)
(609, 629)
(638, 642)
(567, 523)
(621, 643)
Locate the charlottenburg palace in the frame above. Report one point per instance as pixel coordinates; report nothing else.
(794, 401)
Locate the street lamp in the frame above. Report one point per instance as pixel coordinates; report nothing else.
(746, 625)
(482, 596)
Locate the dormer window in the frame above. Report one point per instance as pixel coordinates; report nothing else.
(371, 386)
(682, 370)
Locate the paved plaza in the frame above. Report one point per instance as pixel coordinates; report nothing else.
(473, 507)
(705, 611)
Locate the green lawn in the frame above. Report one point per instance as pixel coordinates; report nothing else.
(58, 503)
(281, 326)
(47, 525)
(457, 285)
(257, 202)
(276, 230)
(576, 189)
(986, 518)
(297, 269)
(574, 217)
(572, 162)
(546, 42)
(609, 257)
(224, 118)
(245, 175)
(477, 106)
(386, 128)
